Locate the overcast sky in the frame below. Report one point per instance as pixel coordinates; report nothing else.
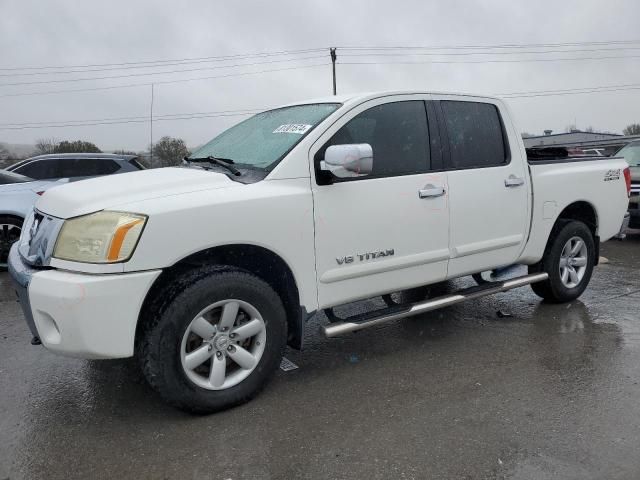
(74, 33)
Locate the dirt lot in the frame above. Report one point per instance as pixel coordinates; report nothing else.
(551, 392)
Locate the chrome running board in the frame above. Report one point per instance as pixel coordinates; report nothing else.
(384, 316)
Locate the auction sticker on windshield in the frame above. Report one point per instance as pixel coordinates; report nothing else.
(298, 128)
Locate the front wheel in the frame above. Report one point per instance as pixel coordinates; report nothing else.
(568, 260)
(214, 344)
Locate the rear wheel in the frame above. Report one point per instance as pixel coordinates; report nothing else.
(214, 344)
(10, 230)
(568, 260)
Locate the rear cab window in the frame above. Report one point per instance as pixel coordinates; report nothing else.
(476, 134)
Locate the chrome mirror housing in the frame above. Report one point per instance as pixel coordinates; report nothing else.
(348, 161)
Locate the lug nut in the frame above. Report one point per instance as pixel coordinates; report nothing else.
(219, 354)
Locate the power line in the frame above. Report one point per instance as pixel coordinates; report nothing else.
(578, 91)
(146, 74)
(168, 116)
(137, 67)
(498, 53)
(162, 82)
(188, 59)
(524, 60)
(571, 89)
(385, 53)
(494, 46)
(121, 122)
(163, 62)
(249, 111)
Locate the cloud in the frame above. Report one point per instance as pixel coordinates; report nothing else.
(77, 33)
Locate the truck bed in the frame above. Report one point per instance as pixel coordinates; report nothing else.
(542, 156)
(594, 183)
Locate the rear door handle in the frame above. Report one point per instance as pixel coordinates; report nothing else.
(430, 191)
(513, 181)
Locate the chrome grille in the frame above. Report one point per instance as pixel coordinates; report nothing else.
(39, 235)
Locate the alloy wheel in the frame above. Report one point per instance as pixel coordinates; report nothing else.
(573, 262)
(223, 344)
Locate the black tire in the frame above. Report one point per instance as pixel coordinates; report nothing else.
(160, 339)
(553, 290)
(10, 228)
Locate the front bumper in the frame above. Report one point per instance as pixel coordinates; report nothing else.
(81, 315)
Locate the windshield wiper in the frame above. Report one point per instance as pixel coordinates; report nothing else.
(223, 162)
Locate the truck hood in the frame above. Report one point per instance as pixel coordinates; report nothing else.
(88, 196)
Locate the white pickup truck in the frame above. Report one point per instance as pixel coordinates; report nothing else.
(205, 272)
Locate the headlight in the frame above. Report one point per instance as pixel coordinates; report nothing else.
(102, 237)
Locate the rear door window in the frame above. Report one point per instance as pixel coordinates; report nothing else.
(476, 135)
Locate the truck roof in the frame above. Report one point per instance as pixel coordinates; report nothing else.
(364, 96)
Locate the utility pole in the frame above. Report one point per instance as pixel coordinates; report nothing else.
(332, 51)
(151, 129)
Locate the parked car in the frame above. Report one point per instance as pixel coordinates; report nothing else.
(631, 153)
(18, 194)
(594, 152)
(75, 165)
(17, 200)
(206, 273)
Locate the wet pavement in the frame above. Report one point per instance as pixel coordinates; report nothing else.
(551, 392)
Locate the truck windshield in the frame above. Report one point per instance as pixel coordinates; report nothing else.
(631, 154)
(264, 139)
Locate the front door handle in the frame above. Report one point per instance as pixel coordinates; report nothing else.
(430, 191)
(513, 181)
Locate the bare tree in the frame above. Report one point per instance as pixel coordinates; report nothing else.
(169, 151)
(5, 156)
(46, 145)
(633, 129)
(77, 146)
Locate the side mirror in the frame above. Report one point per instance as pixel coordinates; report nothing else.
(348, 161)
